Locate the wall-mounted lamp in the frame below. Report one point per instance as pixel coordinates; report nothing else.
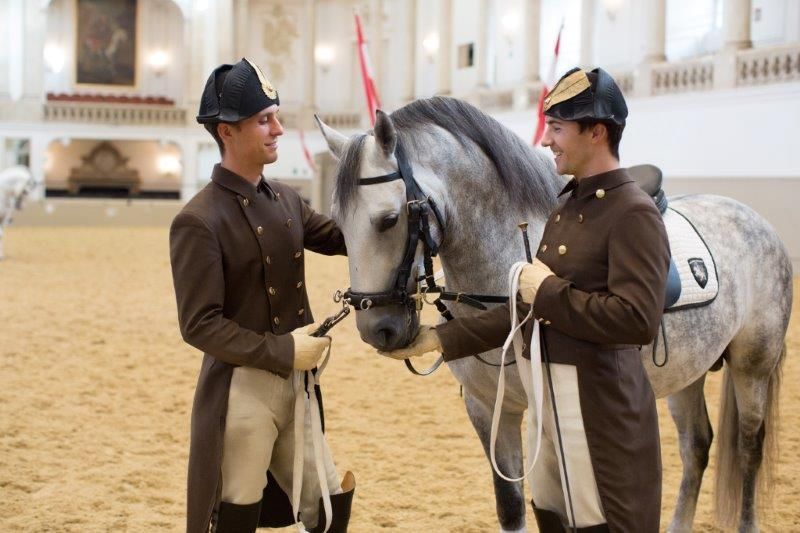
(430, 44)
(510, 25)
(54, 57)
(158, 61)
(324, 56)
(169, 164)
(613, 7)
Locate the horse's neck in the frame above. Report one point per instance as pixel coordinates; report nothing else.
(483, 240)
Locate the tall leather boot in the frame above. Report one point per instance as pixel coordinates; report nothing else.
(233, 518)
(340, 507)
(548, 521)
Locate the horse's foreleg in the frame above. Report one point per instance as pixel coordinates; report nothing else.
(688, 409)
(509, 497)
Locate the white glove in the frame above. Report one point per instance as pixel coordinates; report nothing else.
(531, 279)
(427, 340)
(308, 350)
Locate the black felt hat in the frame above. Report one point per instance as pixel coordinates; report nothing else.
(586, 95)
(235, 92)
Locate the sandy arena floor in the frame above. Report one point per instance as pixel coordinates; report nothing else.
(96, 387)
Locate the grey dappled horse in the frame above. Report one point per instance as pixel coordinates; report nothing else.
(15, 184)
(486, 180)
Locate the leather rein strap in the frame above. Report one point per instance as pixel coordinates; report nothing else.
(418, 208)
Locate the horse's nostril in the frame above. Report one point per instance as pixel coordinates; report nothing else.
(385, 337)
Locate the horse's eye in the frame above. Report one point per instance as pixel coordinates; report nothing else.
(387, 222)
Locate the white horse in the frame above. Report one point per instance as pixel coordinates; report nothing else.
(16, 183)
(485, 180)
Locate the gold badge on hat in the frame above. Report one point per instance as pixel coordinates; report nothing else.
(269, 90)
(571, 86)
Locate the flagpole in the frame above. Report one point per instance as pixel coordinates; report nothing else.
(546, 86)
(370, 91)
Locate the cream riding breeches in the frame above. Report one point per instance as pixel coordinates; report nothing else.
(259, 436)
(547, 478)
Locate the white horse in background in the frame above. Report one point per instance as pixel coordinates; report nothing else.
(16, 183)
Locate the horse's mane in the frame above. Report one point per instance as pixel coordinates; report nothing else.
(518, 165)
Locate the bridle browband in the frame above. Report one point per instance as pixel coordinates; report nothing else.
(419, 207)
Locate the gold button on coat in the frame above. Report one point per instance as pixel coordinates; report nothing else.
(268, 260)
(277, 321)
(562, 250)
(546, 322)
(299, 284)
(300, 312)
(260, 230)
(558, 218)
(601, 193)
(245, 202)
(272, 291)
(580, 219)
(544, 248)
(288, 222)
(297, 255)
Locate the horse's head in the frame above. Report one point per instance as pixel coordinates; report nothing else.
(376, 219)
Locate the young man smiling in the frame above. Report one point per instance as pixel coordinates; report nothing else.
(238, 267)
(597, 286)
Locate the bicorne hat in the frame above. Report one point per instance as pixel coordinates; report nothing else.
(586, 95)
(235, 92)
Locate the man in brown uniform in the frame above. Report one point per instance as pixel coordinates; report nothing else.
(237, 261)
(597, 286)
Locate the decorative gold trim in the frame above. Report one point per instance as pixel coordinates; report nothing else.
(269, 90)
(567, 88)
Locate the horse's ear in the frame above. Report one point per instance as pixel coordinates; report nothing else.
(335, 140)
(385, 134)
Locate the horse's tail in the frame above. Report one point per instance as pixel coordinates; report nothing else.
(729, 475)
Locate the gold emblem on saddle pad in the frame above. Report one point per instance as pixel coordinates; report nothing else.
(267, 87)
(572, 85)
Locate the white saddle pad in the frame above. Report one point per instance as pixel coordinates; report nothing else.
(698, 273)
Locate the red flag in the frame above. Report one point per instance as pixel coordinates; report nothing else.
(373, 102)
(306, 152)
(551, 80)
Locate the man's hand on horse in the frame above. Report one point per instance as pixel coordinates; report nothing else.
(308, 350)
(426, 341)
(531, 279)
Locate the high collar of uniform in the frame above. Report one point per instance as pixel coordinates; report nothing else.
(590, 185)
(236, 183)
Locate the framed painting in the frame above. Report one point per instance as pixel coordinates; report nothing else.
(105, 42)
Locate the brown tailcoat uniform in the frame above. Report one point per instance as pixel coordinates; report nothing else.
(608, 248)
(237, 264)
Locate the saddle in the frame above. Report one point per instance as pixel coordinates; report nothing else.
(649, 178)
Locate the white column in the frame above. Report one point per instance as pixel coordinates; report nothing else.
(736, 24)
(532, 31)
(35, 25)
(587, 33)
(189, 160)
(445, 56)
(735, 37)
(411, 54)
(654, 30)
(653, 25)
(38, 147)
(482, 45)
(241, 28)
(223, 25)
(310, 96)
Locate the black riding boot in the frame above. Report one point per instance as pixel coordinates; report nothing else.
(548, 521)
(232, 518)
(341, 505)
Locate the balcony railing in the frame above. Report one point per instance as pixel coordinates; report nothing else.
(693, 75)
(116, 114)
(768, 65)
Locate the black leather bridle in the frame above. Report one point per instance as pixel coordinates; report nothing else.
(419, 207)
